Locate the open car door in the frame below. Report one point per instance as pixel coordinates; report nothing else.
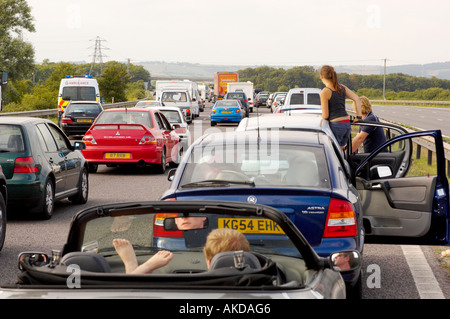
(400, 204)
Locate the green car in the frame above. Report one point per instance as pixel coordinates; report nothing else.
(3, 199)
(41, 165)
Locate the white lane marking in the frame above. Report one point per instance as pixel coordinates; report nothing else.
(426, 283)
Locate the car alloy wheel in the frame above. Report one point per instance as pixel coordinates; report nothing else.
(83, 189)
(49, 200)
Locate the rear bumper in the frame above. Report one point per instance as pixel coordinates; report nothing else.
(148, 154)
(232, 118)
(24, 189)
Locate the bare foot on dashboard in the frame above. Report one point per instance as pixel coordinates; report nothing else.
(158, 260)
(127, 254)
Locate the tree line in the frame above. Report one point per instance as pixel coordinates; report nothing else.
(398, 86)
(34, 86)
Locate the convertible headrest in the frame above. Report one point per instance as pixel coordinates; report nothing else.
(235, 259)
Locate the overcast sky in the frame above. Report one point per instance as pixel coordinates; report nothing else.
(243, 32)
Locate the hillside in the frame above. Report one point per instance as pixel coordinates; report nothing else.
(203, 71)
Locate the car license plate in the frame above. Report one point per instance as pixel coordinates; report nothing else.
(84, 120)
(226, 111)
(251, 225)
(117, 155)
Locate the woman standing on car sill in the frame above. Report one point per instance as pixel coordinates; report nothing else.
(332, 100)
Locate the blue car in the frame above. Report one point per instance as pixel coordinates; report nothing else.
(227, 111)
(335, 203)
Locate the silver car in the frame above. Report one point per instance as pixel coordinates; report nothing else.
(279, 264)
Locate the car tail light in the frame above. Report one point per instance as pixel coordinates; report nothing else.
(213, 111)
(25, 165)
(279, 111)
(341, 220)
(188, 112)
(158, 226)
(147, 140)
(66, 120)
(238, 110)
(171, 198)
(89, 140)
(245, 100)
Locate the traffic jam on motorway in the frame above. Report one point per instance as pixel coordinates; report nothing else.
(297, 207)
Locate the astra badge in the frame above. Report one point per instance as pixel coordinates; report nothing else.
(252, 199)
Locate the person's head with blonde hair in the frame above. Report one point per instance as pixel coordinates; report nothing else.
(222, 240)
(366, 107)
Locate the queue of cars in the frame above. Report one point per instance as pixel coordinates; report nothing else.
(293, 163)
(301, 202)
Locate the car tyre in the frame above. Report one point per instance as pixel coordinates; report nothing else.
(83, 189)
(213, 123)
(48, 200)
(2, 221)
(161, 168)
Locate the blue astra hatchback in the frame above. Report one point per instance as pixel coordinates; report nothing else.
(305, 175)
(230, 111)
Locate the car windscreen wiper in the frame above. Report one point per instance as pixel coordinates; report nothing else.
(217, 183)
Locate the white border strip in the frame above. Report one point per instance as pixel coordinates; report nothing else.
(426, 283)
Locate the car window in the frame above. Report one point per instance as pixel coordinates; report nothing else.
(237, 96)
(125, 117)
(174, 97)
(87, 94)
(46, 138)
(226, 103)
(289, 165)
(314, 98)
(298, 98)
(11, 139)
(165, 125)
(79, 93)
(158, 121)
(83, 108)
(172, 116)
(61, 141)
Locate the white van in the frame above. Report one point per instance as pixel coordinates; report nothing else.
(191, 86)
(304, 100)
(247, 88)
(77, 88)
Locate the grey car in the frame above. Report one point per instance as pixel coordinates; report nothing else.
(279, 264)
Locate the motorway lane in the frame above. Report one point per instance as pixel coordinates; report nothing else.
(120, 184)
(424, 118)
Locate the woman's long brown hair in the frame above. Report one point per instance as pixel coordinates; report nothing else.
(328, 72)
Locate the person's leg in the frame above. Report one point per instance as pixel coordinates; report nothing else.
(160, 259)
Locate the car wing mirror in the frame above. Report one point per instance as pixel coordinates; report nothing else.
(171, 174)
(345, 260)
(36, 259)
(380, 171)
(79, 146)
(176, 126)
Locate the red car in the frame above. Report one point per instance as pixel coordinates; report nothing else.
(131, 136)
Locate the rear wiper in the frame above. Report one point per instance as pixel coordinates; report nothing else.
(217, 182)
(4, 151)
